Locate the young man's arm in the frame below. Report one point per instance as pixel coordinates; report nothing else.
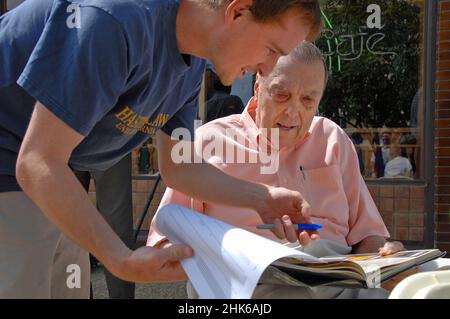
(207, 183)
(44, 175)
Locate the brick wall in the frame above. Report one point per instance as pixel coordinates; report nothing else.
(402, 209)
(442, 139)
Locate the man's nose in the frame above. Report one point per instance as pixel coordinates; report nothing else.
(291, 110)
(268, 65)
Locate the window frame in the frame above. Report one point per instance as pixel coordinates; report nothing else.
(431, 21)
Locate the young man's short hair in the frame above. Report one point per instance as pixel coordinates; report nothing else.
(266, 10)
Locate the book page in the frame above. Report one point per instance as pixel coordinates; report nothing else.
(372, 260)
(227, 261)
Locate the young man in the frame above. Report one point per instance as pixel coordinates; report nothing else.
(84, 82)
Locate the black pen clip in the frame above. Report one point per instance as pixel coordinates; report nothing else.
(303, 172)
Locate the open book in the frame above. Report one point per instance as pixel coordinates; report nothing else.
(229, 262)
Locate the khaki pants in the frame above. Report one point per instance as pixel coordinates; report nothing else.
(36, 259)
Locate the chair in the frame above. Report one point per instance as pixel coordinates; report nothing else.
(146, 207)
(2, 6)
(425, 285)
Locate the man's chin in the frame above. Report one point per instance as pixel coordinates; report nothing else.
(227, 81)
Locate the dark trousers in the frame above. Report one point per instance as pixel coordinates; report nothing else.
(114, 201)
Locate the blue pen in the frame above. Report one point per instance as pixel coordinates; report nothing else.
(300, 227)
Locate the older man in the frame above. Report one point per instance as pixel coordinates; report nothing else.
(314, 157)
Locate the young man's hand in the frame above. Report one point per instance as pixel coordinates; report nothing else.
(283, 208)
(147, 264)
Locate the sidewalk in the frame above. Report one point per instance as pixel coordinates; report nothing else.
(143, 291)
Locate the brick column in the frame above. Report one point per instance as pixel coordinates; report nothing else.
(442, 140)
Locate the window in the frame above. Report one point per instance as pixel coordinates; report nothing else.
(375, 55)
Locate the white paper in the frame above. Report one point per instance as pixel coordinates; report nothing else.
(227, 261)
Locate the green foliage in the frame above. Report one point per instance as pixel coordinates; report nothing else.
(374, 90)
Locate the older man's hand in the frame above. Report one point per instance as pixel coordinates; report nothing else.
(390, 248)
(283, 209)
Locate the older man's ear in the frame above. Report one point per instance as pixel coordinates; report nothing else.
(256, 86)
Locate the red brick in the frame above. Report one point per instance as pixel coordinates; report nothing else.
(416, 233)
(442, 189)
(443, 246)
(387, 218)
(139, 198)
(140, 186)
(442, 114)
(442, 151)
(444, 46)
(139, 209)
(387, 204)
(377, 202)
(161, 187)
(416, 220)
(401, 205)
(442, 208)
(442, 133)
(157, 198)
(444, 55)
(443, 65)
(443, 105)
(443, 228)
(443, 95)
(442, 161)
(443, 237)
(443, 218)
(417, 192)
(442, 170)
(445, 6)
(444, 25)
(386, 191)
(374, 191)
(441, 199)
(442, 123)
(443, 75)
(145, 224)
(442, 180)
(401, 233)
(401, 220)
(417, 205)
(444, 15)
(401, 192)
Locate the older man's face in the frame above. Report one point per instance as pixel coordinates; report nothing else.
(288, 99)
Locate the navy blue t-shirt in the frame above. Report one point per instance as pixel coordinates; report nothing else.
(109, 69)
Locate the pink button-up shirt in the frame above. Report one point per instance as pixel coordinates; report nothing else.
(331, 181)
